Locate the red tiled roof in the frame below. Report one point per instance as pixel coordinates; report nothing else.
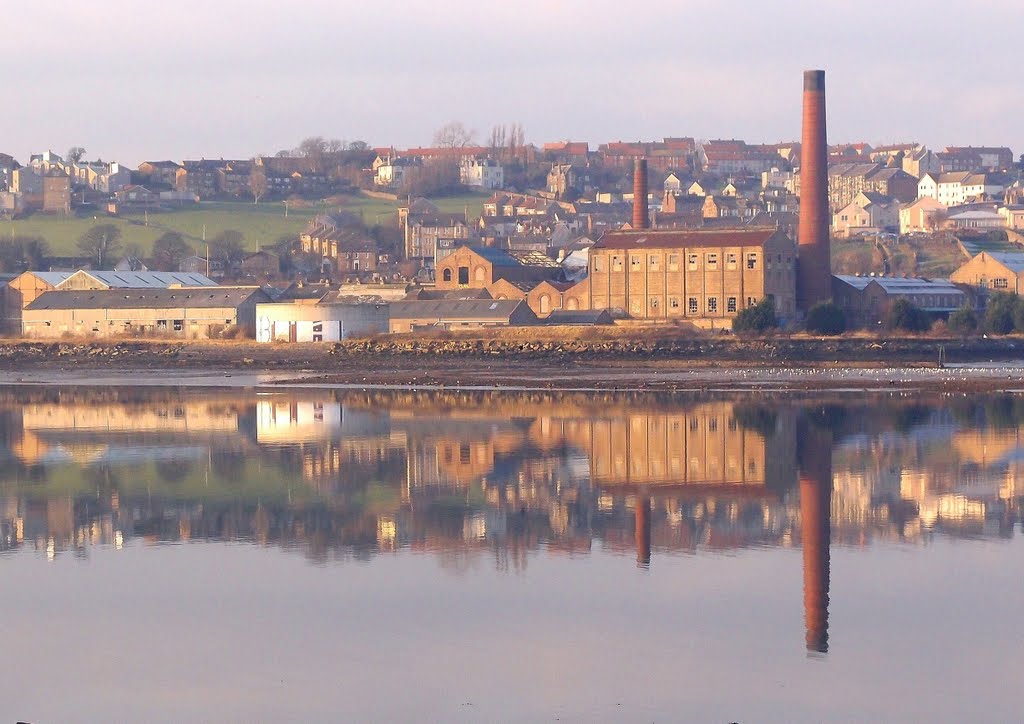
(680, 238)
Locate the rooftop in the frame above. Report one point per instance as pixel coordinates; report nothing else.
(680, 238)
(193, 298)
(455, 308)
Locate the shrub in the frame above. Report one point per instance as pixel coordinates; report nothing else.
(963, 321)
(757, 318)
(1000, 312)
(905, 315)
(825, 318)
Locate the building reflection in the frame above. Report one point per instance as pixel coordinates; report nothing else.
(478, 477)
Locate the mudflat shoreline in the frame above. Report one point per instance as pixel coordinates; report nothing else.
(602, 362)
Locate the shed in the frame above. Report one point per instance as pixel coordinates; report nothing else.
(454, 314)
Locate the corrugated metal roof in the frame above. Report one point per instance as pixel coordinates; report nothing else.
(899, 285)
(1013, 261)
(455, 308)
(151, 280)
(193, 298)
(854, 281)
(52, 278)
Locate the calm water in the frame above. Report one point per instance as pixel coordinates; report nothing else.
(238, 555)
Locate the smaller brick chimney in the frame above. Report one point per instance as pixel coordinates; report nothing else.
(641, 217)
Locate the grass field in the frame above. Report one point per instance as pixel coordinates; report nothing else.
(261, 224)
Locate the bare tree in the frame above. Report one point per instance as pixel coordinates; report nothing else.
(454, 135)
(312, 147)
(258, 182)
(100, 243)
(75, 154)
(170, 249)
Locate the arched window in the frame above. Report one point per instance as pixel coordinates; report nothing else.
(479, 273)
(572, 303)
(545, 304)
(447, 275)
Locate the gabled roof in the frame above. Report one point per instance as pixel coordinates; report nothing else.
(192, 298)
(148, 280)
(682, 238)
(469, 309)
(1011, 260)
(51, 278)
(852, 280)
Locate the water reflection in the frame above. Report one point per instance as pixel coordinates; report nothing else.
(473, 477)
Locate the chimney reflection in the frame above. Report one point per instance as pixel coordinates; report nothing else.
(815, 461)
(643, 530)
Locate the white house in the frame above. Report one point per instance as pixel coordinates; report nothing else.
(957, 187)
(483, 173)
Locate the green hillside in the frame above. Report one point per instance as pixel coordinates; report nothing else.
(262, 223)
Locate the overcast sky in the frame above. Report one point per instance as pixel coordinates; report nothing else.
(133, 81)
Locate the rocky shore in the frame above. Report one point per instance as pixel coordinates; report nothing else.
(656, 362)
(376, 351)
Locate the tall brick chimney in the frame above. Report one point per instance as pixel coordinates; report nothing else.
(814, 266)
(641, 217)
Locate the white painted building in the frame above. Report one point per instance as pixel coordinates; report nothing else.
(956, 188)
(779, 179)
(482, 173)
(311, 321)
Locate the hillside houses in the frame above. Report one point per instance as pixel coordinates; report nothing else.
(869, 212)
(845, 181)
(958, 187)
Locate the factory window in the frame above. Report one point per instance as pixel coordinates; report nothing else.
(616, 263)
(178, 324)
(599, 263)
(464, 275)
(730, 305)
(713, 424)
(635, 262)
(752, 260)
(712, 261)
(691, 261)
(730, 261)
(655, 262)
(712, 305)
(673, 302)
(654, 302)
(673, 262)
(691, 305)
(751, 301)
(999, 284)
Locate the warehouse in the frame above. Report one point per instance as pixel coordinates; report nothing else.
(455, 314)
(189, 312)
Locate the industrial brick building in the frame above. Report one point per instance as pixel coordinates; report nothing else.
(704, 277)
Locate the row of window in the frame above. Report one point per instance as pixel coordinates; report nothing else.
(711, 304)
(711, 260)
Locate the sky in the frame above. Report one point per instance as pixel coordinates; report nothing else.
(133, 81)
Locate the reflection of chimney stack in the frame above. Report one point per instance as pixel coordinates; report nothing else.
(640, 215)
(814, 270)
(816, 532)
(643, 531)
